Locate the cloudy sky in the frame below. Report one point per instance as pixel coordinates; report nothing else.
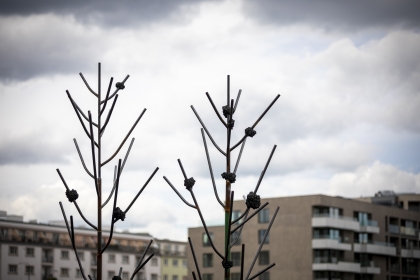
(347, 122)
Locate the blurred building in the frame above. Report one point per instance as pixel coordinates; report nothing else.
(174, 260)
(31, 250)
(321, 237)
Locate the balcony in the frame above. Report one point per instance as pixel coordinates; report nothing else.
(377, 248)
(408, 231)
(342, 222)
(47, 259)
(412, 253)
(410, 270)
(328, 243)
(332, 264)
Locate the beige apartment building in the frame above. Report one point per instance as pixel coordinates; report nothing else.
(321, 237)
(174, 259)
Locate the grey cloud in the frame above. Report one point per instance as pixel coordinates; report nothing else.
(337, 15)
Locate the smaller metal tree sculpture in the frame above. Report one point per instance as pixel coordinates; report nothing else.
(72, 195)
(252, 199)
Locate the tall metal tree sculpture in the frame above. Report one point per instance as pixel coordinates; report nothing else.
(96, 175)
(252, 200)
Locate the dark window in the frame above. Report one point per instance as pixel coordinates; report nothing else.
(65, 255)
(236, 258)
(13, 251)
(236, 214)
(208, 260)
(263, 216)
(206, 241)
(234, 236)
(264, 258)
(29, 252)
(13, 269)
(264, 276)
(235, 276)
(261, 234)
(207, 276)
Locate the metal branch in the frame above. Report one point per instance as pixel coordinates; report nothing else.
(81, 112)
(239, 156)
(113, 208)
(141, 259)
(125, 139)
(208, 133)
(237, 100)
(109, 115)
(262, 242)
(241, 216)
(238, 235)
(195, 259)
(241, 277)
(119, 274)
(227, 247)
(116, 91)
(262, 271)
(215, 110)
(180, 196)
(265, 111)
(204, 225)
(250, 217)
(265, 168)
(193, 274)
(95, 177)
(87, 85)
(115, 172)
(78, 116)
(182, 169)
(106, 97)
(239, 142)
(211, 169)
(81, 159)
(145, 262)
(141, 190)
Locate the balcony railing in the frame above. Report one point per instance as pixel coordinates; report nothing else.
(408, 231)
(410, 270)
(394, 229)
(47, 259)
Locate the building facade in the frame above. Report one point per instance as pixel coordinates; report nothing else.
(319, 237)
(174, 260)
(42, 251)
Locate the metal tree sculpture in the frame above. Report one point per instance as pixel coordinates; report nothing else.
(96, 175)
(252, 200)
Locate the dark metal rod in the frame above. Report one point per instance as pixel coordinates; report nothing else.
(215, 110)
(228, 90)
(239, 156)
(237, 144)
(250, 217)
(87, 85)
(95, 177)
(237, 100)
(75, 249)
(262, 271)
(241, 277)
(211, 169)
(81, 159)
(180, 196)
(145, 262)
(65, 218)
(182, 169)
(83, 217)
(262, 242)
(141, 259)
(106, 97)
(238, 234)
(83, 114)
(62, 179)
(109, 115)
(193, 274)
(265, 168)
(78, 116)
(116, 91)
(241, 216)
(113, 208)
(265, 111)
(195, 259)
(119, 274)
(125, 139)
(227, 247)
(141, 190)
(208, 133)
(204, 225)
(90, 278)
(115, 173)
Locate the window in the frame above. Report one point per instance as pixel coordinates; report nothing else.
(4, 233)
(154, 277)
(64, 272)
(13, 269)
(167, 248)
(235, 276)
(55, 237)
(165, 277)
(206, 241)
(125, 259)
(175, 277)
(111, 274)
(236, 258)
(155, 261)
(111, 258)
(208, 260)
(175, 262)
(264, 276)
(236, 214)
(30, 252)
(78, 273)
(176, 248)
(165, 262)
(263, 216)
(184, 263)
(125, 276)
(29, 270)
(233, 237)
(13, 251)
(81, 255)
(207, 276)
(65, 255)
(264, 258)
(261, 234)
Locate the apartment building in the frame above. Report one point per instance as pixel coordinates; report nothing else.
(43, 251)
(319, 237)
(174, 260)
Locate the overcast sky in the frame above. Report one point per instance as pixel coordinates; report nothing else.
(347, 122)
